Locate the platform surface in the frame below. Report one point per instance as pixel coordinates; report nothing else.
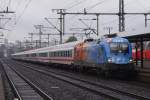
(146, 64)
(2, 97)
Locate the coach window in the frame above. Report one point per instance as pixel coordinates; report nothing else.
(61, 53)
(70, 53)
(55, 54)
(66, 54)
(43, 54)
(49, 54)
(58, 53)
(33, 55)
(52, 54)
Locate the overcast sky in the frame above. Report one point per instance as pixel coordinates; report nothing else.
(32, 12)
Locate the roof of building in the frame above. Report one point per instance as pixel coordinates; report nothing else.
(138, 37)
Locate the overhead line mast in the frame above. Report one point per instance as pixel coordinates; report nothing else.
(121, 16)
(62, 22)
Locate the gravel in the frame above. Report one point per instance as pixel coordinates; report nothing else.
(57, 89)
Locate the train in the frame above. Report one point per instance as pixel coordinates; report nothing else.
(146, 51)
(110, 54)
(146, 55)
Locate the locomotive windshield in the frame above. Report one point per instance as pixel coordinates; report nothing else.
(119, 47)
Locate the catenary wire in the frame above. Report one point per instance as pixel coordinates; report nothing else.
(26, 6)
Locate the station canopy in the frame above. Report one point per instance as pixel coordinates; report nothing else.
(136, 37)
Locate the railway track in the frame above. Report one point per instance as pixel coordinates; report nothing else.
(23, 89)
(91, 86)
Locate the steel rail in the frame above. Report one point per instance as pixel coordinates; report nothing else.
(102, 86)
(36, 88)
(14, 89)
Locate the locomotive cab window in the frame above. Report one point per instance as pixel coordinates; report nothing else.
(124, 47)
(114, 47)
(119, 47)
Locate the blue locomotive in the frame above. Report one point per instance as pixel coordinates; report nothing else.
(108, 55)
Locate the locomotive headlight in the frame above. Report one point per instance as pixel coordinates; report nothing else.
(131, 60)
(109, 60)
